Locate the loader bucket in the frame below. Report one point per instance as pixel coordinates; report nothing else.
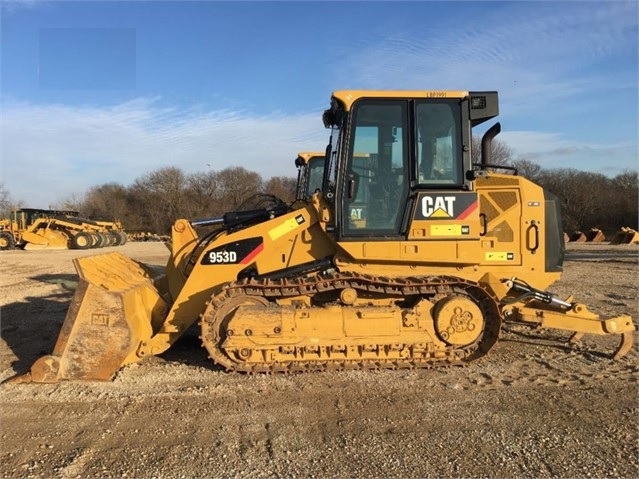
(626, 236)
(632, 236)
(578, 237)
(618, 237)
(595, 235)
(116, 308)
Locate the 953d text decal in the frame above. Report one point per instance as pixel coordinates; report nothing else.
(238, 252)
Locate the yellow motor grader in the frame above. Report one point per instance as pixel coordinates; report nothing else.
(31, 228)
(407, 256)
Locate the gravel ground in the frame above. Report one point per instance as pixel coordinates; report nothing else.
(535, 407)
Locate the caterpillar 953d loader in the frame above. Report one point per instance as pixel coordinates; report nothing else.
(408, 256)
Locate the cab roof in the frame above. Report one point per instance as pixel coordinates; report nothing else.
(303, 157)
(348, 97)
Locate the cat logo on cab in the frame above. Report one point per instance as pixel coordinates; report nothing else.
(432, 206)
(439, 206)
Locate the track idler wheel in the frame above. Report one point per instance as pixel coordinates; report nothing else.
(220, 323)
(458, 320)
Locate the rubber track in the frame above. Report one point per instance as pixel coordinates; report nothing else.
(430, 286)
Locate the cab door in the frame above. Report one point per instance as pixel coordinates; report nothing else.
(376, 172)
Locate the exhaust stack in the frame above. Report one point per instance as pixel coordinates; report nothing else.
(486, 144)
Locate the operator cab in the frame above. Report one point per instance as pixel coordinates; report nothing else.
(390, 147)
(310, 172)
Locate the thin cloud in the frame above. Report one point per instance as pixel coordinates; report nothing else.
(546, 65)
(51, 152)
(539, 63)
(510, 50)
(12, 6)
(552, 150)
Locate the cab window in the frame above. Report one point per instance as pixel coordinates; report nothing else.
(377, 170)
(315, 175)
(438, 136)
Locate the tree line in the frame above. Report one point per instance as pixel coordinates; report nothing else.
(588, 200)
(153, 201)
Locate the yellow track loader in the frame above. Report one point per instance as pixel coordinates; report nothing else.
(407, 256)
(310, 171)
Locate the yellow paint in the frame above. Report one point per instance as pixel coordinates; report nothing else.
(348, 97)
(496, 256)
(439, 213)
(446, 230)
(282, 229)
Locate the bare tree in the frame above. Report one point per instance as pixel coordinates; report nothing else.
(283, 187)
(74, 202)
(203, 192)
(108, 201)
(236, 185)
(160, 196)
(502, 154)
(528, 169)
(6, 204)
(625, 203)
(584, 196)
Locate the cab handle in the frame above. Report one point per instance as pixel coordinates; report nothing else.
(352, 185)
(532, 237)
(483, 220)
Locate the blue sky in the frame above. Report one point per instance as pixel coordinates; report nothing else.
(96, 92)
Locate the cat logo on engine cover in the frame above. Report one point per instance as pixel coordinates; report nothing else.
(444, 205)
